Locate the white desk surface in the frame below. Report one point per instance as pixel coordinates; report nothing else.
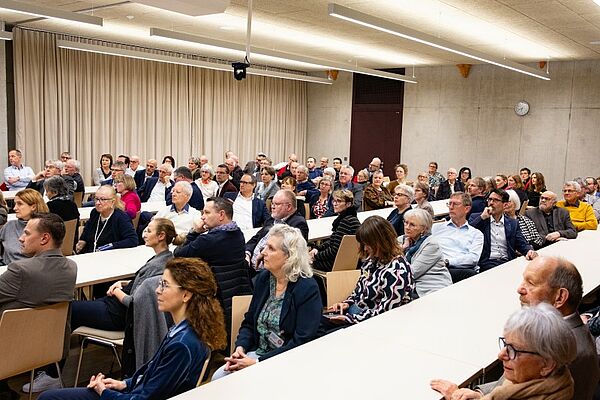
(11, 193)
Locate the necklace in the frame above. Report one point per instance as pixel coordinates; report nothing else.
(97, 235)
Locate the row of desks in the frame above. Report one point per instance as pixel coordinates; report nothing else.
(450, 334)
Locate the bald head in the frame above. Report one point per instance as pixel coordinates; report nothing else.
(547, 201)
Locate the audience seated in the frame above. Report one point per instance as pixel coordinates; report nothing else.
(537, 186)
(125, 186)
(235, 171)
(464, 175)
(582, 214)
(421, 190)
(449, 186)
(109, 227)
(423, 253)
(375, 195)
(267, 187)
(155, 188)
(501, 181)
(346, 223)
(222, 177)
(476, 188)
(515, 183)
(403, 197)
(386, 281)
(313, 172)
(143, 175)
(44, 278)
(72, 176)
(207, 185)
(3, 210)
(401, 171)
(525, 174)
(435, 178)
(502, 237)
(183, 174)
(461, 243)
(180, 212)
(194, 167)
(552, 223)
(17, 175)
(27, 202)
(186, 291)
(289, 183)
(320, 199)
(248, 210)
(59, 202)
(303, 184)
(526, 226)
(104, 171)
(53, 168)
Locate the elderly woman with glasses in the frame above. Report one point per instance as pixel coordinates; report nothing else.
(320, 199)
(403, 196)
(285, 310)
(535, 351)
(207, 185)
(375, 195)
(423, 253)
(187, 291)
(526, 225)
(109, 227)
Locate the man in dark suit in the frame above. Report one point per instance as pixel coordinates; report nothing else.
(184, 174)
(72, 176)
(155, 188)
(222, 178)
(502, 237)
(144, 174)
(551, 222)
(45, 278)
(450, 185)
(248, 211)
(283, 211)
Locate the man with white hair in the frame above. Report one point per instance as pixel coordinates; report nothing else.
(303, 184)
(72, 176)
(154, 188)
(582, 214)
(134, 166)
(184, 174)
(551, 222)
(345, 182)
(234, 170)
(449, 186)
(180, 212)
(53, 167)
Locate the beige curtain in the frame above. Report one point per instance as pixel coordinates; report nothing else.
(91, 104)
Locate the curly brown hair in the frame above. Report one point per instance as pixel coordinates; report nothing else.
(204, 312)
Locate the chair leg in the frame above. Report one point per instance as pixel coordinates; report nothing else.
(114, 348)
(79, 363)
(62, 384)
(31, 383)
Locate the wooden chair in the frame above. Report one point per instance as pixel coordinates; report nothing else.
(523, 207)
(111, 339)
(136, 220)
(67, 245)
(340, 285)
(346, 258)
(32, 338)
(307, 210)
(239, 306)
(204, 369)
(78, 198)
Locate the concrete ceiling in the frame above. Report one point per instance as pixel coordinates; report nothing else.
(520, 30)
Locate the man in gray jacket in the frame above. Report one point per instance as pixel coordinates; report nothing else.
(45, 278)
(551, 222)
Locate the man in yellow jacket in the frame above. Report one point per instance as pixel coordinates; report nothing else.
(582, 214)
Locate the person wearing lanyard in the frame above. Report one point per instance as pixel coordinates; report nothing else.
(109, 227)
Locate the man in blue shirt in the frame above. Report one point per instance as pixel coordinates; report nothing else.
(461, 244)
(17, 175)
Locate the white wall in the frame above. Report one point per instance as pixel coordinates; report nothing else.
(458, 121)
(329, 117)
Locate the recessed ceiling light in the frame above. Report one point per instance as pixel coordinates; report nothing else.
(130, 17)
(595, 41)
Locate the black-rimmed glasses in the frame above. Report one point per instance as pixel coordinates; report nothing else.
(510, 349)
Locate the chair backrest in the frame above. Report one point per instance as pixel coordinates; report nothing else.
(78, 198)
(307, 210)
(31, 338)
(67, 245)
(340, 285)
(232, 280)
(523, 207)
(204, 368)
(239, 306)
(136, 220)
(347, 256)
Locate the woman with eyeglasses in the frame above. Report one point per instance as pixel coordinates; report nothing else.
(188, 292)
(109, 227)
(267, 187)
(346, 223)
(375, 195)
(27, 202)
(207, 185)
(535, 351)
(320, 200)
(285, 310)
(403, 197)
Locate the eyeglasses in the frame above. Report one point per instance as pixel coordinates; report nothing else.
(542, 198)
(162, 285)
(568, 191)
(454, 204)
(274, 204)
(246, 182)
(494, 200)
(510, 349)
(103, 199)
(400, 194)
(116, 170)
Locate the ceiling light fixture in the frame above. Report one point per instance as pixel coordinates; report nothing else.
(141, 55)
(41, 11)
(312, 62)
(347, 14)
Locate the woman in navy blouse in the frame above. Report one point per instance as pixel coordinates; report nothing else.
(188, 292)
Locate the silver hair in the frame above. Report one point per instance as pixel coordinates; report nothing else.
(408, 190)
(186, 186)
(56, 184)
(423, 218)
(167, 167)
(514, 197)
(57, 163)
(544, 331)
(295, 248)
(208, 168)
(573, 184)
(75, 163)
(329, 171)
(348, 167)
(302, 168)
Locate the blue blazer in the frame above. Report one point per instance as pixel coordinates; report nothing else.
(218, 246)
(514, 237)
(139, 179)
(299, 320)
(196, 201)
(146, 190)
(174, 369)
(122, 235)
(259, 209)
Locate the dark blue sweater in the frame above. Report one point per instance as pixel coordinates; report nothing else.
(216, 247)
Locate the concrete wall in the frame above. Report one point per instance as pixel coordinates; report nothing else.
(3, 109)
(329, 117)
(458, 121)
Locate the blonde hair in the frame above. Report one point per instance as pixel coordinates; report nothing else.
(113, 193)
(33, 198)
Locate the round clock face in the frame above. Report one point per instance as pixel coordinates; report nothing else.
(522, 108)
